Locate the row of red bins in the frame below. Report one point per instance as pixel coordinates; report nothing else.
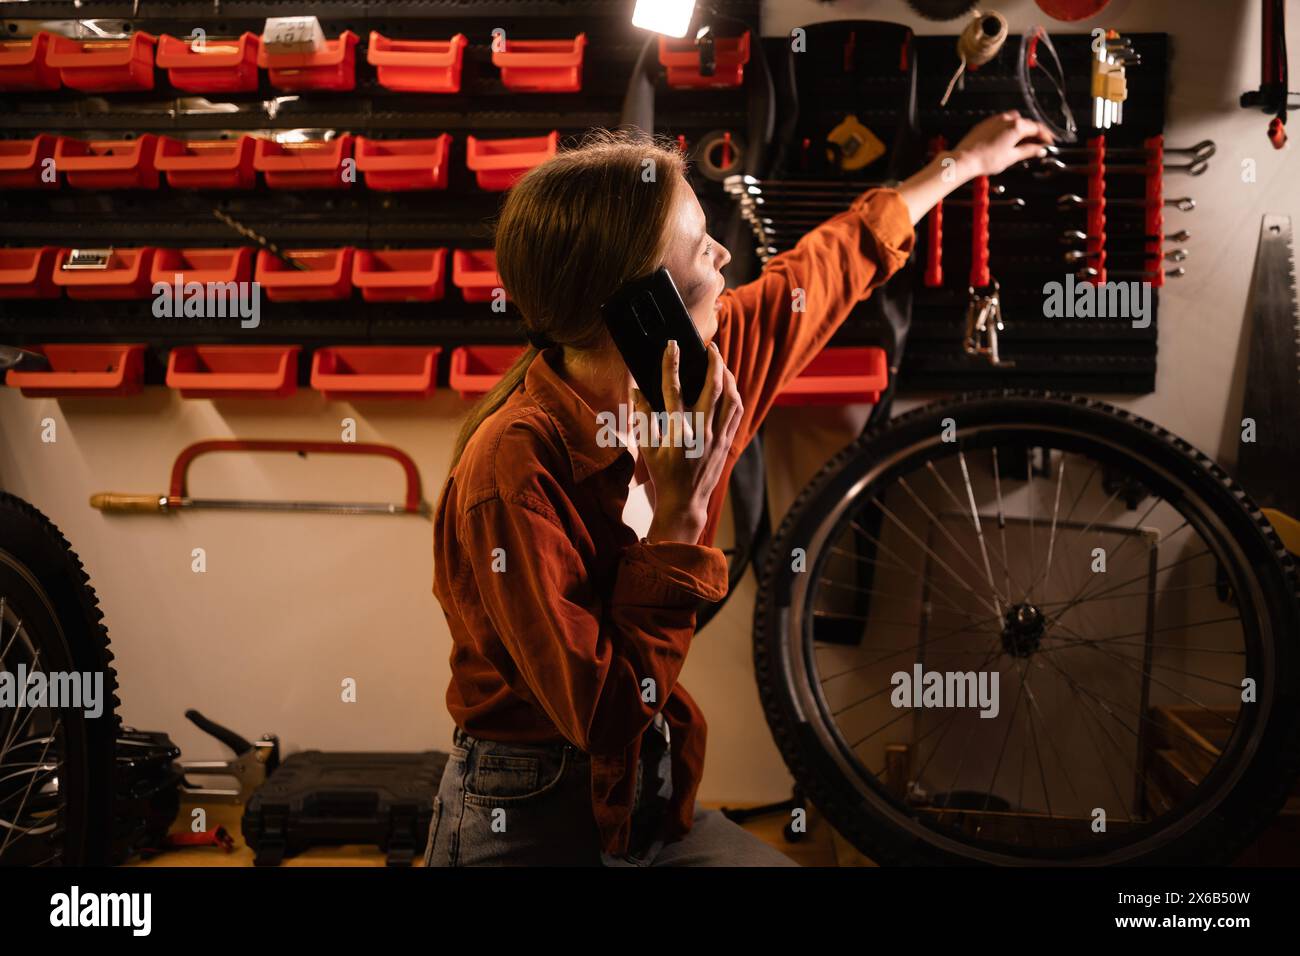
(836, 376)
(386, 164)
(48, 61)
(382, 275)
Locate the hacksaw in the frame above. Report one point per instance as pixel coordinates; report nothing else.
(1269, 467)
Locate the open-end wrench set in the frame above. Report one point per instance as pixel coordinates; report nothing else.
(1112, 206)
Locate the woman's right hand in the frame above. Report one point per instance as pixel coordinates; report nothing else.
(686, 464)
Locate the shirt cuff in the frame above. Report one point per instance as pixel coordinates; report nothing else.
(890, 220)
(672, 573)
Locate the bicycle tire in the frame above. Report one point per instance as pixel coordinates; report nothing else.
(1222, 831)
(42, 576)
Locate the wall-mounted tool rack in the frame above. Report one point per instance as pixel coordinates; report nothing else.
(1026, 243)
(420, 97)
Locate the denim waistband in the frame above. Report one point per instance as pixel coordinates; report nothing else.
(461, 739)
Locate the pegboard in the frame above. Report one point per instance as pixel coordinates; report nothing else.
(866, 73)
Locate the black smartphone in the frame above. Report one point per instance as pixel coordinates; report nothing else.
(642, 316)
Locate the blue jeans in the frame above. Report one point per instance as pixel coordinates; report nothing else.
(507, 804)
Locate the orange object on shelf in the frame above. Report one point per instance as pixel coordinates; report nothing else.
(207, 163)
(28, 273)
(474, 271)
(839, 376)
(400, 275)
(681, 58)
(333, 68)
(23, 66)
(213, 66)
(127, 276)
(347, 372)
(104, 66)
(542, 66)
(93, 371)
(328, 274)
(417, 66)
(202, 265)
(315, 164)
(29, 163)
(108, 163)
(402, 164)
(476, 368)
(233, 371)
(498, 163)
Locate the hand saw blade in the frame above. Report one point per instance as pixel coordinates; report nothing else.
(1269, 467)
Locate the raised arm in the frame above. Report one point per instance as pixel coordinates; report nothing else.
(771, 328)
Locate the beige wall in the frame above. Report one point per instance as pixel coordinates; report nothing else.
(292, 604)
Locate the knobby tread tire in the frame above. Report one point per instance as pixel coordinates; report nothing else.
(34, 541)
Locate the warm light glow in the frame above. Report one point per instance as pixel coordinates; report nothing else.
(669, 17)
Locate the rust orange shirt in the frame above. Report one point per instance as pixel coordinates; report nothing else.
(558, 614)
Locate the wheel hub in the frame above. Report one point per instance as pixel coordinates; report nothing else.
(1022, 629)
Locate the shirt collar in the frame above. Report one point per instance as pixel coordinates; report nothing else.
(573, 418)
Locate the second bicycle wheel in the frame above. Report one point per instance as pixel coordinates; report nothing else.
(1026, 628)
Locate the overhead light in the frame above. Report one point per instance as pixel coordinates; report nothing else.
(669, 17)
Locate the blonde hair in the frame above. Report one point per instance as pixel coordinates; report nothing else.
(570, 233)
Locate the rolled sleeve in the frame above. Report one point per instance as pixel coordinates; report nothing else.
(671, 573)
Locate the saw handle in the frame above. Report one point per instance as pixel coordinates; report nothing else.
(119, 501)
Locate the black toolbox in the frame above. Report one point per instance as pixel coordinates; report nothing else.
(316, 798)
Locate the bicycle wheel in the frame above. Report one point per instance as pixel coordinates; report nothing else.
(56, 763)
(1137, 610)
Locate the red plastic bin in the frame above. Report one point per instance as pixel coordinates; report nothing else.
(202, 265)
(417, 66)
(681, 58)
(108, 163)
(315, 164)
(542, 66)
(400, 275)
(233, 371)
(23, 66)
(214, 66)
(23, 163)
(839, 376)
(127, 277)
(476, 368)
(104, 66)
(28, 273)
(401, 164)
(474, 271)
(328, 275)
(498, 163)
(342, 373)
(207, 163)
(92, 371)
(333, 68)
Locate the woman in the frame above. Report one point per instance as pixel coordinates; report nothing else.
(570, 567)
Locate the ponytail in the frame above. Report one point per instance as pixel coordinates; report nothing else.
(494, 399)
